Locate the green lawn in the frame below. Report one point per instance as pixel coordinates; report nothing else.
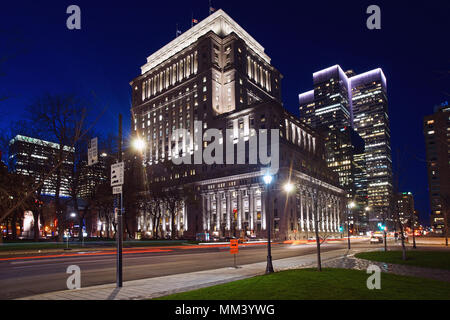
(427, 259)
(330, 284)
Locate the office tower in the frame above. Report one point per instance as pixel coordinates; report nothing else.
(405, 208)
(38, 158)
(218, 75)
(437, 136)
(327, 108)
(371, 121)
(341, 99)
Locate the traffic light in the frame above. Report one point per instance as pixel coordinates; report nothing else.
(341, 229)
(381, 226)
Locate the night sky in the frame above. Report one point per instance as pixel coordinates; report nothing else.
(301, 37)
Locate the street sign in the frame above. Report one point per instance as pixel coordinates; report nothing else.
(117, 190)
(117, 174)
(93, 151)
(234, 246)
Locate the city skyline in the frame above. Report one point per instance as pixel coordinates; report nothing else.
(204, 164)
(111, 76)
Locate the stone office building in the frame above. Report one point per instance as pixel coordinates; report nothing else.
(216, 74)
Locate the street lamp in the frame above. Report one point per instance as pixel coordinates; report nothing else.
(288, 187)
(267, 181)
(139, 144)
(351, 205)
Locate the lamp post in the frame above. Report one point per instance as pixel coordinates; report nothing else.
(267, 181)
(351, 205)
(366, 219)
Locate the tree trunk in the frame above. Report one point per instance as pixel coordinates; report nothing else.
(403, 240)
(36, 224)
(319, 260)
(173, 227)
(13, 226)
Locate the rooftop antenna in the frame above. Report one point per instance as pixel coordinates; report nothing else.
(178, 32)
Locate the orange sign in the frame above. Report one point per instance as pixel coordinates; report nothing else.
(234, 249)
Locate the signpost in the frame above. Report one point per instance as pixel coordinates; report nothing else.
(93, 151)
(234, 249)
(117, 173)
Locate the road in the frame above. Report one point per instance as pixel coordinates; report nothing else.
(30, 275)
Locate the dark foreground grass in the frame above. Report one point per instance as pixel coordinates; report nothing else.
(330, 284)
(426, 259)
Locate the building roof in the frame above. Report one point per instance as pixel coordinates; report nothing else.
(220, 23)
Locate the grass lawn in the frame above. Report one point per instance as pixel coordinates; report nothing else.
(313, 285)
(427, 259)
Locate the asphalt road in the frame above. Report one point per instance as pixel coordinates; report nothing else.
(25, 276)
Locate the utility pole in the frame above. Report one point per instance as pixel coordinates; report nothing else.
(384, 230)
(414, 229)
(119, 216)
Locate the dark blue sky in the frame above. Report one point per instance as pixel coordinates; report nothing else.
(301, 37)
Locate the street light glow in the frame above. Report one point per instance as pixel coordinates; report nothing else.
(367, 208)
(288, 187)
(351, 204)
(267, 179)
(138, 144)
(73, 214)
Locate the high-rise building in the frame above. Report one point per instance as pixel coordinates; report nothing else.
(217, 75)
(437, 143)
(371, 121)
(343, 99)
(38, 158)
(405, 208)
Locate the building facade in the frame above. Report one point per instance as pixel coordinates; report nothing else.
(405, 208)
(437, 144)
(344, 99)
(216, 76)
(38, 158)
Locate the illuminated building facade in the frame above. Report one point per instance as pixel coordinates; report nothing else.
(328, 109)
(37, 158)
(405, 208)
(371, 121)
(217, 74)
(437, 143)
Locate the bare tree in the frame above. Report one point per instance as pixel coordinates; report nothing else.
(62, 118)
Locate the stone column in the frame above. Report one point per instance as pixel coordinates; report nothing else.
(218, 210)
(251, 209)
(203, 211)
(208, 212)
(338, 205)
(307, 202)
(301, 211)
(228, 195)
(240, 209)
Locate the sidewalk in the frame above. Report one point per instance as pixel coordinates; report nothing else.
(161, 286)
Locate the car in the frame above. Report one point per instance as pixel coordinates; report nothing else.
(376, 240)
